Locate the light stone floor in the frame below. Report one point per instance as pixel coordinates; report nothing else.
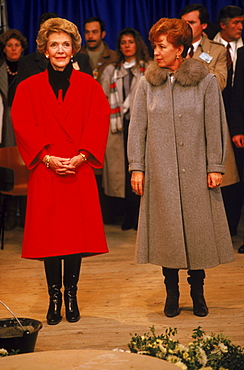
(118, 297)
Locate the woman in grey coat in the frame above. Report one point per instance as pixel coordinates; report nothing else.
(177, 150)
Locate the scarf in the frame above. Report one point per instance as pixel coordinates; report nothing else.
(116, 124)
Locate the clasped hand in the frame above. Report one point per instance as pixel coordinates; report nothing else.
(65, 166)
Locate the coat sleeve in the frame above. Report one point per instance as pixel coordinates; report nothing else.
(237, 116)
(138, 129)
(30, 138)
(220, 70)
(94, 137)
(216, 129)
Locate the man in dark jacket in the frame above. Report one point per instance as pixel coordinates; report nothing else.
(236, 122)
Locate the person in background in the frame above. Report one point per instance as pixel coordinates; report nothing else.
(99, 53)
(36, 62)
(61, 121)
(211, 53)
(13, 44)
(231, 25)
(120, 82)
(176, 149)
(237, 117)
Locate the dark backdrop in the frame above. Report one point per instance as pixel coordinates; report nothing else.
(117, 14)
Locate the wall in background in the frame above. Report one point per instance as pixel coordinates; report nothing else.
(117, 14)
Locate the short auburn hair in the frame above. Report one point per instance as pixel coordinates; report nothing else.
(178, 32)
(58, 25)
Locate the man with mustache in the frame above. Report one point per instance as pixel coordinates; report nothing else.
(97, 49)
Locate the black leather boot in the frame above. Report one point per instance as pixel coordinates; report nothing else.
(53, 269)
(196, 281)
(171, 281)
(71, 277)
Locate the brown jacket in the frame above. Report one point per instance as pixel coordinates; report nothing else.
(217, 65)
(108, 56)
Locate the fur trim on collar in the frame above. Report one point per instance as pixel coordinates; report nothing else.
(190, 73)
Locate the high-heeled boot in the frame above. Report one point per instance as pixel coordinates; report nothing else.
(72, 265)
(53, 270)
(171, 282)
(196, 281)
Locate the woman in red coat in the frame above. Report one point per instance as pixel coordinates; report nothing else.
(61, 120)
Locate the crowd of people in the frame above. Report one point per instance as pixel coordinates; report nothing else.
(156, 141)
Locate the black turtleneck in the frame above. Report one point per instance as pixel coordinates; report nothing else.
(60, 80)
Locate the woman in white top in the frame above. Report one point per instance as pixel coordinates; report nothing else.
(119, 82)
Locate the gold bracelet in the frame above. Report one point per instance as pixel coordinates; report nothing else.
(47, 160)
(83, 156)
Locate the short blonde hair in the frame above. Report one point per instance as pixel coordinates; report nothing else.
(58, 25)
(178, 32)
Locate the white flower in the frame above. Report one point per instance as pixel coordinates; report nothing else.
(223, 348)
(3, 351)
(181, 348)
(202, 356)
(181, 365)
(162, 348)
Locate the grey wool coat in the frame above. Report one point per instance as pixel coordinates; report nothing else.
(178, 135)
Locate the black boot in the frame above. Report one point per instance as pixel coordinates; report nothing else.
(71, 277)
(53, 269)
(196, 280)
(171, 282)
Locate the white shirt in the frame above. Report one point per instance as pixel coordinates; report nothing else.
(234, 45)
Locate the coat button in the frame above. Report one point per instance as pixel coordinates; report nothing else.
(183, 170)
(181, 143)
(180, 116)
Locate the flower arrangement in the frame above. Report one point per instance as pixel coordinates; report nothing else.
(214, 352)
(4, 352)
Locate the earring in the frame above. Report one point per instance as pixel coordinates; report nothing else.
(47, 56)
(71, 58)
(177, 57)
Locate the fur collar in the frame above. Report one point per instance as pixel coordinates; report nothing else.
(190, 73)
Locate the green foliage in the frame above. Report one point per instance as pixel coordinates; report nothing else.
(214, 352)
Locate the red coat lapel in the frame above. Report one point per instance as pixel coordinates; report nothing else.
(61, 110)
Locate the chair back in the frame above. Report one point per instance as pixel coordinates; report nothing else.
(11, 158)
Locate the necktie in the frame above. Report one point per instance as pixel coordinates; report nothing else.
(191, 52)
(228, 57)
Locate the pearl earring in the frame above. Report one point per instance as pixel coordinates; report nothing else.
(47, 56)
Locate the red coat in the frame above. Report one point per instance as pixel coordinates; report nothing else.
(63, 213)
